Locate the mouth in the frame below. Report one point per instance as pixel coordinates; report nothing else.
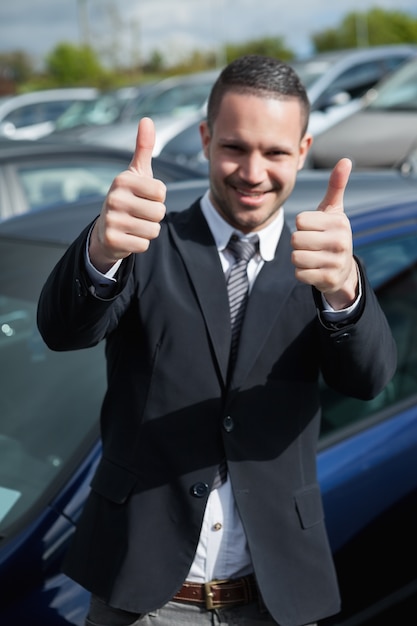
(250, 194)
(250, 197)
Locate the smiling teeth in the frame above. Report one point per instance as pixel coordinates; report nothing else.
(251, 194)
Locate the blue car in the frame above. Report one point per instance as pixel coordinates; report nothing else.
(50, 446)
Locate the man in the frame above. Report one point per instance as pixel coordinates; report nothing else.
(209, 445)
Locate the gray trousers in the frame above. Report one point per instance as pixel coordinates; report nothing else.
(178, 614)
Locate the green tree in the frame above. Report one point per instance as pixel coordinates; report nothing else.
(69, 65)
(15, 69)
(17, 66)
(156, 62)
(196, 61)
(270, 46)
(372, 28)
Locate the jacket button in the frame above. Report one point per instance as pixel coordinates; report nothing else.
(343, 337)
(199, 490)
(228, 424)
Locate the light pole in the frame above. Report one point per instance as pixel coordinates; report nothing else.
(218, 31)
(83, 22)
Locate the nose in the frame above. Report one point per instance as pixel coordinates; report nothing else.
(252, 169)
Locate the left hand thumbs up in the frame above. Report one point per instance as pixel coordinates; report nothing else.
(323, 246)
(333, 200)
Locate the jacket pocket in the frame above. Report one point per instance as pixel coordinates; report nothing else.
(309, 506)
(112, 481)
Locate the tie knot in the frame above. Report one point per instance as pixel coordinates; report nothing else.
(243, 250)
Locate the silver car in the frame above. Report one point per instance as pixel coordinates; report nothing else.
(382, 134)
(32, 115)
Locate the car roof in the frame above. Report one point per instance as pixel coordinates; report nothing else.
(56, 224)
(15, 150)
(46, 95)
(180, 79)
(61, 224)
(42, 151)
(346, 55)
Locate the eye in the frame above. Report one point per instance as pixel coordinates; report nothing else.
(232, 147)
(277, 154)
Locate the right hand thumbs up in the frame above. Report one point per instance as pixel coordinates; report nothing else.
(141, 162)
(133, 209)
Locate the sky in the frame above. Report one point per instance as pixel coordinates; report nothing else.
(125, 30)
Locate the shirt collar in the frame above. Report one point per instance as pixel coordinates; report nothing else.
(222, 231)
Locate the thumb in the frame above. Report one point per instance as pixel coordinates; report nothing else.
(333, 200)
(141, 162)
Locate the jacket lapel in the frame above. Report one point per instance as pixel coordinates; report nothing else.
(270, 291)
(196, 245)
(268, 297)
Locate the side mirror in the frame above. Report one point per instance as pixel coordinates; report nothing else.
(336, 99)
(7, 129)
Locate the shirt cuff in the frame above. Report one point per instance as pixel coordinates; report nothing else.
(102, 284)
(331, 315)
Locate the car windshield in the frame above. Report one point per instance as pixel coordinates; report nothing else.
(180, 99)
(310, 71)
(103, 110)
(398, 93)
(49, 402)
(64, 182)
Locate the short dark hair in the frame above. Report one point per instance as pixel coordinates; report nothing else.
(261, 76)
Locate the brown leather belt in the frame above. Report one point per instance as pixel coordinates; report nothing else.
(219, 593)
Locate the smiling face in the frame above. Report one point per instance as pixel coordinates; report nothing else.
(255, 150)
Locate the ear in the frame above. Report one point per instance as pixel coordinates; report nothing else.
(205, 137)
(305, 146)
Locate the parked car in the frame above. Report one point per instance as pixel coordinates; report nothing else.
(49, 428)
(335, 82)
(172, 103)
(32, 115)
(382, 134)
(34, 175)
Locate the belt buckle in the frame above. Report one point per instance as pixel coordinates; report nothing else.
(209, 595)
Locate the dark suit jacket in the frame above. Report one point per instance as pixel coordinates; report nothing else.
(170, 415)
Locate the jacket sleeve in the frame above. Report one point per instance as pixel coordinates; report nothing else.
(358, 356)
(70, 315)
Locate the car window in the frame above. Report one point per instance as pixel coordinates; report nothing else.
(102, 110)
(393, 63)
(49, 184)
(392, 269)
(37, 113)
(356, 80)
(175, 100)
(399, 92)
(49, 401)
(310, 71)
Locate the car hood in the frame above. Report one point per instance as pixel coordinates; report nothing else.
(369, 138)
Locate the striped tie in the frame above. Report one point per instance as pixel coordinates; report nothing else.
(237, 288)
(238, 285)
